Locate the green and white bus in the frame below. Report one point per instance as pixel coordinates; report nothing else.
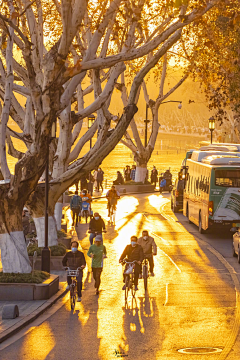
(212, 190)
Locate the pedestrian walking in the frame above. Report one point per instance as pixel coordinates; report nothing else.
(119, 180)
(97, 252)
(95, 179)
(100, 175)
(90, 184)
(127, 173)
(154, 176)
(133, 172)
(76, 207)
(83, 182)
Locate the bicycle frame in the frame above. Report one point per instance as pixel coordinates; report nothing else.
(129, 281)
(145, 272)
(73, 286)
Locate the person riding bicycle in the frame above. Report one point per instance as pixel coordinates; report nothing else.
(96, 227)
(112, 196)
(133, 252)
(86, 199)
(75, 259)
(97, 252)
(149, 248)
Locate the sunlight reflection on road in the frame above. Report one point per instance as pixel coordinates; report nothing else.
(38, 347)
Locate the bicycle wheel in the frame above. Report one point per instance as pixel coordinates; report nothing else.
(126, 290)
(72, 303)
(132, 286)
(145, 276)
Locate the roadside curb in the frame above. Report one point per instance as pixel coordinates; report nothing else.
(33, 316)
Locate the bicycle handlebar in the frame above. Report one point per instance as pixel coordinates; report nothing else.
(98, 232)
(129, 262)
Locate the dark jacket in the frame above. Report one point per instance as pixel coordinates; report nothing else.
(100, 175)
(74, 260)
(133, 253)
(154, 176)
(97, 225)
(119, 180)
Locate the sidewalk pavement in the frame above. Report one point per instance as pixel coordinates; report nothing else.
(29, 310)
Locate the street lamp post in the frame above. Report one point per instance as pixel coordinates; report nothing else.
(211, 123)
(147, 121)
(146, 124)
(46, 253)
(91, 119)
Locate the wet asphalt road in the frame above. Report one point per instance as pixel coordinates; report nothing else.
(190, 303)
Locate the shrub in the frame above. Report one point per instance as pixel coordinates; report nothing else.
(36, 277)
(131, 182)
(61, 233)
(56, 250)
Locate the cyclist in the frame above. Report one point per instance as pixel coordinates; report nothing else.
(149, 248)
(86, 198)
(133, 252)
(75, 259)
(97, 252)
(96, 226)
(112, 196)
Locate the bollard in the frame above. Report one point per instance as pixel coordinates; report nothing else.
(10, 311)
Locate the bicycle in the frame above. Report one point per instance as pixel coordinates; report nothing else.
(145, 273)
(129, 279)
(112, 208)
(73, 285)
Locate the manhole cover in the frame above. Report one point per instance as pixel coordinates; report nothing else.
(200, 350)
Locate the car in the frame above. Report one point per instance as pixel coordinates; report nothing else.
(177, 195)
(236, 241)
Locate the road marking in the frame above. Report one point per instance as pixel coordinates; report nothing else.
(232, 338)
(166, 301)
(161, 249)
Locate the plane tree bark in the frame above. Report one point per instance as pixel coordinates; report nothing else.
(46, 65)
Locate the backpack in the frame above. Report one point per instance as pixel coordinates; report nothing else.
(75, 202)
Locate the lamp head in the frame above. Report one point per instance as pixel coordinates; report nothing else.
(91, 119)
(211, 123)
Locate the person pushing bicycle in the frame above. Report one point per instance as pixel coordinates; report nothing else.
(75, 259)
(133, 252)
(149, 248)
(112, 196)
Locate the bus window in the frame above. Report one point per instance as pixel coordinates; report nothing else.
(227, 178)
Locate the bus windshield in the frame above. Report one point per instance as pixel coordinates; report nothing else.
(227, 178)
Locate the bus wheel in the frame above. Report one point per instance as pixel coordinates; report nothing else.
(200, 229)
(187, 213)
(239, 255)
(233, 251)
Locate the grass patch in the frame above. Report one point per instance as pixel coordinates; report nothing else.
(37, 277)
(56, 250)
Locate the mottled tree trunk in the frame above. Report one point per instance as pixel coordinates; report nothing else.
(12, 241)
(36, 205)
